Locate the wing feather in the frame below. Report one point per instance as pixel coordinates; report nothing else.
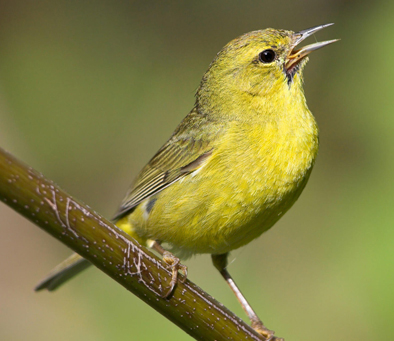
(188, 149)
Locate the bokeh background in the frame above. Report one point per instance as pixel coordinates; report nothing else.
(89, 90)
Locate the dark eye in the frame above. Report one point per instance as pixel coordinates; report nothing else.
(267, 56)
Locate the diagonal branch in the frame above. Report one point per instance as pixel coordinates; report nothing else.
(115, 253)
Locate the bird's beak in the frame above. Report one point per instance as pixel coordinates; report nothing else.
(295, 56)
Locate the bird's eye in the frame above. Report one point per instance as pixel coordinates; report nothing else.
(267, 56)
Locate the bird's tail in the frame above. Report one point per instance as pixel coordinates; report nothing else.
(63, 272)
(74, 264)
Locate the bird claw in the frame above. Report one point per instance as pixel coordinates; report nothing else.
(175, 266)
(268, 335)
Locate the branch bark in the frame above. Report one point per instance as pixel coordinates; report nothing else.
(115, 253)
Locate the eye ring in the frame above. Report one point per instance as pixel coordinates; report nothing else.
(267, 56)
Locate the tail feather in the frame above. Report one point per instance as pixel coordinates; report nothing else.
(63, 272)
(75, 263)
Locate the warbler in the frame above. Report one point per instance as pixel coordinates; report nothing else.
(233, 167)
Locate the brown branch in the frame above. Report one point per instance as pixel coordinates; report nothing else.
(116, 253)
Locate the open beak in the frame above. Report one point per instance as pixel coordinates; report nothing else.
(295, 56)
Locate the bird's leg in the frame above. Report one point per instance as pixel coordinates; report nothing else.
(220, 262)
(173, 263)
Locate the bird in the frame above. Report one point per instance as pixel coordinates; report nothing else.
(234, 165)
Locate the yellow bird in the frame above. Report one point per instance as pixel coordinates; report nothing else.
(235, 164)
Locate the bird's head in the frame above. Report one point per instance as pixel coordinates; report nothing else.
(261, 63)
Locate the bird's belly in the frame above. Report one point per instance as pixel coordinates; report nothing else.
(234, 198)
(212, 213)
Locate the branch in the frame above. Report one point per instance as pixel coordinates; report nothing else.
(115, 253)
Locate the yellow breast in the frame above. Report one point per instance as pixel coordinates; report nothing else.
(253, 177)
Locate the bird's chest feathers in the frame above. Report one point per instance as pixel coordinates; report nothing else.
(274, 158)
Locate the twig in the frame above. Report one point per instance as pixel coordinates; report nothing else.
(116, 253)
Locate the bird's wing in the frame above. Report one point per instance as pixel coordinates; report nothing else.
(187, 149)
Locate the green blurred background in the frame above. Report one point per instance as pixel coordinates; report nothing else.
(89, 90)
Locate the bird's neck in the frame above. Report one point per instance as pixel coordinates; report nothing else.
(281, 101)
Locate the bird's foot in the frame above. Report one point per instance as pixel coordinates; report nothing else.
(175, 266)
(268, 335)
